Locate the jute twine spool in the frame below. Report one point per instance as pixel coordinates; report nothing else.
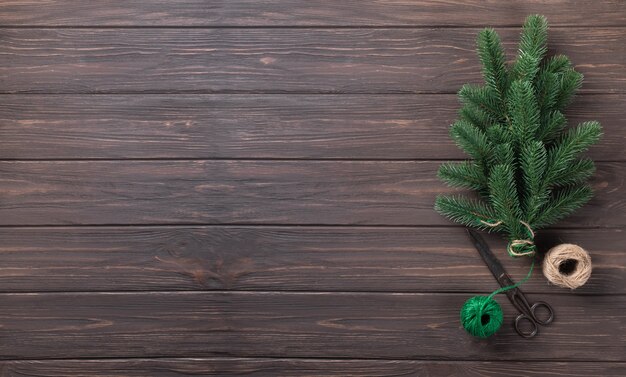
(567, 266)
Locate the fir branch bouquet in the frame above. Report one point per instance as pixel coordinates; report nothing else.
(525, 163)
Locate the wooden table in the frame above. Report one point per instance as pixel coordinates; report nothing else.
(240, 187)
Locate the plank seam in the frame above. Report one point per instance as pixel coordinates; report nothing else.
(287, 292)
(278, 225)
(252, 159)
(235, 292)
(275, 93)
(267, 92)
(305, 358)
(275, 225)
(320, 27)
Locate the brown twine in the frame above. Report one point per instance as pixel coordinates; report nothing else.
(510, 248)
(514, 243)
(567, 253)
(490, 224)
(532, 234)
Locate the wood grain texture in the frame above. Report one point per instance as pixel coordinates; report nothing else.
(281, 259)
(331, 325)
(258, 126)
(308, 12)
(252, 367)
(278, 60)
(251, 192)
(177, 196)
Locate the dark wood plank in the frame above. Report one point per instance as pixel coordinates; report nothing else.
(257, 126)
(281, 258)
(307, 12)
(252, 367)
(278, 60)
(331, 325)
(246, 192)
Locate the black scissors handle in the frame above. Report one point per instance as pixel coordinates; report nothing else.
(528, 313)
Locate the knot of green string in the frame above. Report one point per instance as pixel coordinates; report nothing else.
(481, 316)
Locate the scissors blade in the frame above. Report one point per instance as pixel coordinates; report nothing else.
(490, 259)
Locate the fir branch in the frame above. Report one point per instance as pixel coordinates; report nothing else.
(483, 98)
(499, 134)
(565, 150)
(549, 83)
(472, 140)
(577, 172)
(525, 165)
(570, 82)
(532, 47)
(556, 84)
(503, 195)
(504, 155)
(463, 175)
(562, 203)
(470, 212)
(533, 160)
(551, 128)
(475, 116)
(548, 90)
(526, 66)
(492, 57)
(523, 111)
(557, 64)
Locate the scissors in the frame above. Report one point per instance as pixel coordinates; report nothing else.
(515, 295)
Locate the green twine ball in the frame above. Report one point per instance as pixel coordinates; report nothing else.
(481, 316)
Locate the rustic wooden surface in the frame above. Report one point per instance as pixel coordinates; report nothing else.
(257, 367)
(181, 13)
(278, 258)
(234, 188)
(252, 192)
(279, 60)
(277, 126)
(295, 324)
